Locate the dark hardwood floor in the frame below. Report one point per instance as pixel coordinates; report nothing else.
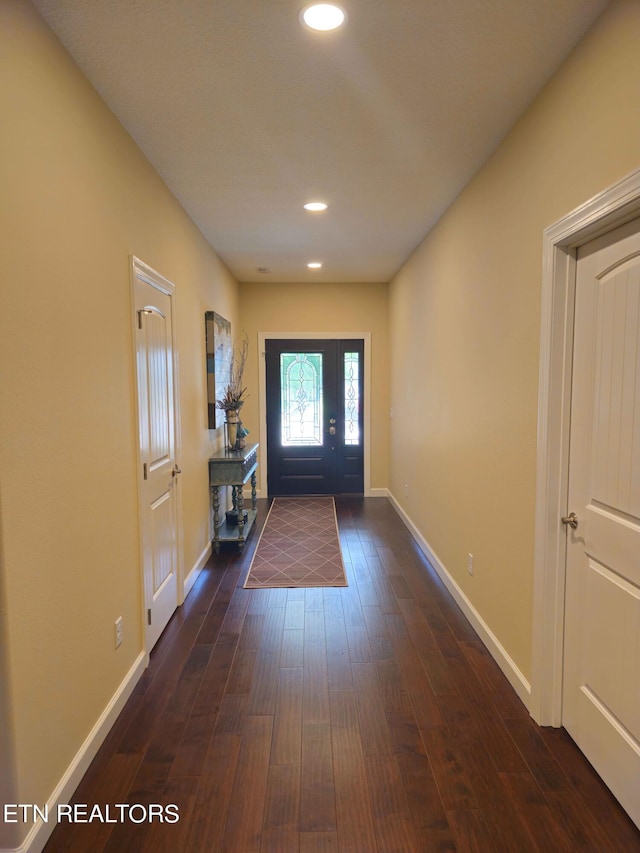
(368, 719)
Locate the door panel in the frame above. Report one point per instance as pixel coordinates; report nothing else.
(314, 416)
(601, 691)
(156, 413)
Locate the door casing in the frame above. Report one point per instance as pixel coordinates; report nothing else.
(604, 212)
(366, 338)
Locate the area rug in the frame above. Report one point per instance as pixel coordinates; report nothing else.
(299, 546)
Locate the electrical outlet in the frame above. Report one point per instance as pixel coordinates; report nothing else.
(470, 564)
(118, 627)
(406, 490)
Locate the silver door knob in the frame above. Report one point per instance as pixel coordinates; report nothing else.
(176, 470)
(571, 520)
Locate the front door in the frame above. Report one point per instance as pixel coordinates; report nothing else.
(601, 689)
(160, 516)
(314, 417)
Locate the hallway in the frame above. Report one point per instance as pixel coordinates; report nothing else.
(363, 719)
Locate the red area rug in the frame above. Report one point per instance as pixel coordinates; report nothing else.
(299, 546)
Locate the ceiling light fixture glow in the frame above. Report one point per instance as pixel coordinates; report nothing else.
(315, 206)
(314, 265)
(323, 16)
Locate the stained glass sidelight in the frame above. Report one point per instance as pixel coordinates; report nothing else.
(301, 398)
(351, 398)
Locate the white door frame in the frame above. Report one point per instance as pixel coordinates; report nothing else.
(140, 270)
(605, 211)
(262, 391)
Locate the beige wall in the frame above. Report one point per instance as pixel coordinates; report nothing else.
(465, 318)
(340, 308)
(77, 200)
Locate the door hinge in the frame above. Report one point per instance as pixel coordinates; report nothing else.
(149, 616)
(145, 471)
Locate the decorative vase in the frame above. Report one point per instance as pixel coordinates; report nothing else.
(232, 428)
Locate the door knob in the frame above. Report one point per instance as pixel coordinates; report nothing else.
(571, 520)
(176, 470)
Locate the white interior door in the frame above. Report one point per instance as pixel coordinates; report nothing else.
(160, 520)
(601, 690)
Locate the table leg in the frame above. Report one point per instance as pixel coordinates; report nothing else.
(215, 497)
(240, 517)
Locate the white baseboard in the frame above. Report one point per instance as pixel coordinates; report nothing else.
(40, 832)
(495, 647)
(198, 566)
(378, 493)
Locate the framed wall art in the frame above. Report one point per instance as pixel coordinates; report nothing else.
(219, 350)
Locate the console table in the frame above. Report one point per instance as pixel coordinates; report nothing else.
(233, 468)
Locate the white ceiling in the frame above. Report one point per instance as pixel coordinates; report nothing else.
(247, 115)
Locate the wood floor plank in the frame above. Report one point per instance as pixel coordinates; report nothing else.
(317, 795)
(315, 704)
(264, 687)
(504, 752)
(165, 837)
(214, 793)
(374, 728)
(318, 842)
(212, 622)
(282, 799)
(354, 816)
(470, 831)
(243, 829)
(423, 700)
(583, 829)
(445, 758)
(392, 820)
(231, 714)
(241, 674)
(280, 840)
(286, 747)
(337, 645)
(430, 825)
(250, 630)
(316, 673)
(234, 618)
(292, 651)
(505, 700)
(313, 599)
(294, 613)
(529, 803)
(542, 764)
(199, 727)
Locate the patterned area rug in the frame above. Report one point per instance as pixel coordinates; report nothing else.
(299, 546)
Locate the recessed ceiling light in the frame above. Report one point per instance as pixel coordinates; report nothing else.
(315, 205)
(314, 265)
(323, 16)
